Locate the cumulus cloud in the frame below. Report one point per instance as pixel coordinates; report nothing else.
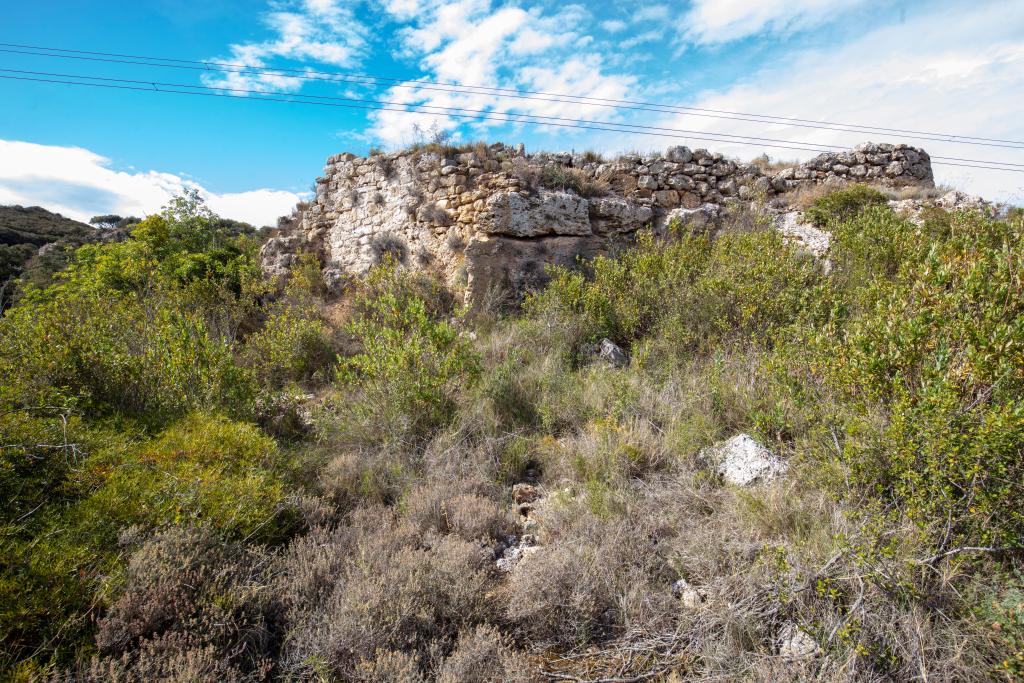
(614, 25)
(947, 71)
(651, 13)
(79, 183)
(322, 31)
(721, 21)
(471, 42)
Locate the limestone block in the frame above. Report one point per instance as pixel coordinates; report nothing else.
(548, 213)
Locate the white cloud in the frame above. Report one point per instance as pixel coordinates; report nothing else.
(613, 25)
(469, 42)
(79, 183)
(640, 39)
(322, 31)
(720, 21)
(651, 13)
(947, 71)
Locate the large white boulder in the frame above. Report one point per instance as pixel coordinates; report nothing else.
(742, 461)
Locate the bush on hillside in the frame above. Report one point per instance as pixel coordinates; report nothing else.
(404, 379)
(939, 349)
(739, 286)
(843, 204)
(293, 345)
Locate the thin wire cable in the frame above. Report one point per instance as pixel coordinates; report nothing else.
(442, 109)
(308, 74)
(516, 118)
(298, 100)
(491, 115)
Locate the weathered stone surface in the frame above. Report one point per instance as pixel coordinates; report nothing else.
(809, 238)
(796, 643)
(525, 493)
(666, 198)
(691, 596)
(679, 155)
(515, 266)
(278, 254)
(548, 213)
(742, 461)
(702, 219)
(612, 354)
(422, 208)
(514, 550)
(647, 182)
(615, 214)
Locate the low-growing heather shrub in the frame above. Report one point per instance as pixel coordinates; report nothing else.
(486, 655)
(186, 591)
(407, 600)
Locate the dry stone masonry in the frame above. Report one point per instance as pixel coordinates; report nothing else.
(490, 218)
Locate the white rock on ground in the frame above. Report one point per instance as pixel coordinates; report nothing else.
(611, 353)
(606, 351)
(805, 236)
(688, 594)
(796, 643)
(742, 461)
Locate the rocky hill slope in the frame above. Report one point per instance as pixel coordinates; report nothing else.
(39, 241)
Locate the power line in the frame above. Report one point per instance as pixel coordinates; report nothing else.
(443, 109)
(308, 74)
(455, 111)
(262, 96)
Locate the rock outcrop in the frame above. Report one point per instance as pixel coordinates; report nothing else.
(491, 218)
(742, 461)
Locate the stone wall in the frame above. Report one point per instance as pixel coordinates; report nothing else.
(491, 217)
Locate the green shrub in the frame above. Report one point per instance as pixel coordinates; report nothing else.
(940, 350)
(293, 345)
(203, 470)
(843, 204)
(741, 285)
(624, 297)
(753, 288)
(149, 359)
(405, 378)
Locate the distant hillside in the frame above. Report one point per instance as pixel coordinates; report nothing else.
(35, 225)
(23, 230)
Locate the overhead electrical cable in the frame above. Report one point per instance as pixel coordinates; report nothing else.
(543, 96)
(270, 96)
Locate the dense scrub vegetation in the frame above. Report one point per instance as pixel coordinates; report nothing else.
(209, 479)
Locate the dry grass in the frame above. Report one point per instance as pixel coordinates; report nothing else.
(770, 166)
(803, 196)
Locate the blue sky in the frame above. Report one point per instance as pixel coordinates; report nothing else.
(942, 65)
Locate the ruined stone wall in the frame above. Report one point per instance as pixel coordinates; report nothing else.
(491, 217)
